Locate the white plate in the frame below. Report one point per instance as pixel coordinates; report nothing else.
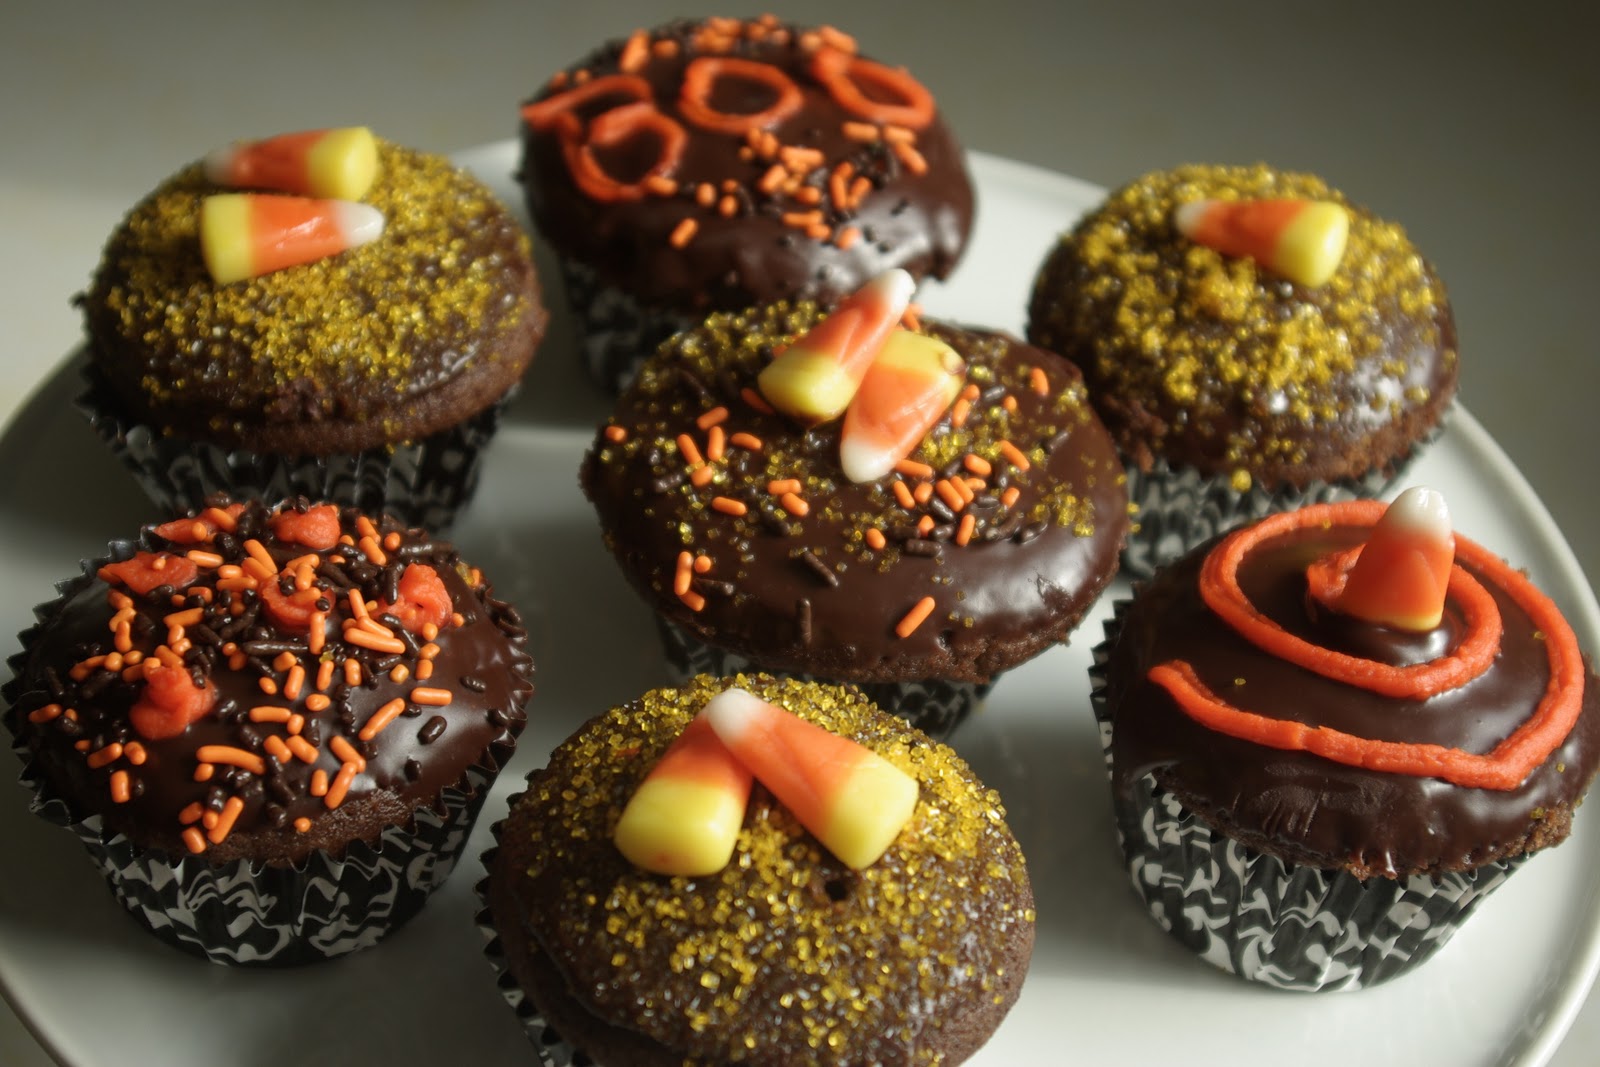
(99, 992)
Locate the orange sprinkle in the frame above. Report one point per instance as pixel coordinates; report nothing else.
(912, 469)
(847, 237)
(230, 814)
(694, 600)
(424, 670)
(1014, 455)
(683, 232)
(429, 650)
(372, 626)
(683, 575)
(352, 672)
(83, 745)
(702, 476)
(875, 538)
(347, 752)
(794, 505)
(971, 391)
(364, 526)
(1009, 497)
(909, 157)
(925, 526)
(950, 494)
(381, 718)
(859, 188)
(959, 411)
(109, 754)
(269, 713)
(373, 551)
(276, 748)
(711, 418)
(616, 434)
(44, 714)
(1040, 383)
(121, 787)
(303, 750)
(318, 702)
(702, 564)
(259, 553)
(134, 753)
(364, 638)
(716, 443)
(431, 697)
(635, 53)
(705, 194)
(728, 506)
(191, 813)
(201, 558)
(302, 824)
(728, 207)
(970, 485)
(659, 184)
(194, 840)
(204, 772)
(399, 673)
(779, 486)
(184, 618)
(923, 492)
(865, 132)
(317, 636)
(773, 179)
(915, 617)
(1009, 403)
(689, 450)
(340, 785)
(267, 686)
(964, 530)
(358, 606)
(391, 541)
(903, 495)
(283, 661)
(324, 679)
(747, 441)
(319, 783)
(236, 757)
(755, 400)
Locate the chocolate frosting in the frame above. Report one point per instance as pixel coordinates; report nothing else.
(809, 593)
(481, 662)
(389, 342)
(1217, 364)
(916, 221)
(1311, 810)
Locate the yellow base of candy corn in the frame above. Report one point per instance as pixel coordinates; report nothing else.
(871, 807)
(809, 386)
(679, 827)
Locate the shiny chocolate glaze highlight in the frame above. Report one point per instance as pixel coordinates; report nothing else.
(919, 222)
(482, 662)
(1027, 576)
(1314, 811)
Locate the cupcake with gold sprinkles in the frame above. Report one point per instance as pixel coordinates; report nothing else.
(759, 871)
(321, 313)
(1254, 342)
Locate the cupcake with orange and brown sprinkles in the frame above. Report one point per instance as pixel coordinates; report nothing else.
(749, 870)
(858, 496)
(713, 165)
(272, 728)
(1254, 342)
(1333, 733)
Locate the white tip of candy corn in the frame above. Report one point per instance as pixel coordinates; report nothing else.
(851, 799)
(814, 378)
(1403, 572)
(361, 223)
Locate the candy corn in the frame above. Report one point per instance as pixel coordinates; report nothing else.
(815, 377)
(685, 817)
(1303, 240)
(905, 391)
(1399, 579)
(851, 799)
(244, 235)
(340, 164)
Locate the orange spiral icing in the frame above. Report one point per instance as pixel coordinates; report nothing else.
(1503, 768)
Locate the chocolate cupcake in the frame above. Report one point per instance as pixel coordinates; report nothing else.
(785, 953)
(1315, 781)
(742, 529)
(371, 377)
(272, 729)
(1253, 341)
(781, 165)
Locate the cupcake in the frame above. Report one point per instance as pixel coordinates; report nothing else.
(372, 376)
(1253, 341)
(762, 540)
(1332, 733)
(779, 949)
(781, 165)
(271, 728)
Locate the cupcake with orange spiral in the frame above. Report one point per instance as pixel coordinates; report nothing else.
(1358, 723)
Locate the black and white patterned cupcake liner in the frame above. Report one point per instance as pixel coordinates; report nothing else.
(615, 331)
(1255, 916)
(1177, 508)
(422, 482)
(256, 913)
(933, 705)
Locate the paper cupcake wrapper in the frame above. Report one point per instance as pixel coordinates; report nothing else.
(615, 331)
(1255, 916)
(933, 705)
(553, 1049)
(423, 482)
(1179, 508)
(254, 913)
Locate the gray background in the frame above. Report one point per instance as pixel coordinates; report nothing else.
(1470, 123)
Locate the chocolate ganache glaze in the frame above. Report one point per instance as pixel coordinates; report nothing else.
(806, 170)
(1311, 810)
(807, 571)
(293, 755)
